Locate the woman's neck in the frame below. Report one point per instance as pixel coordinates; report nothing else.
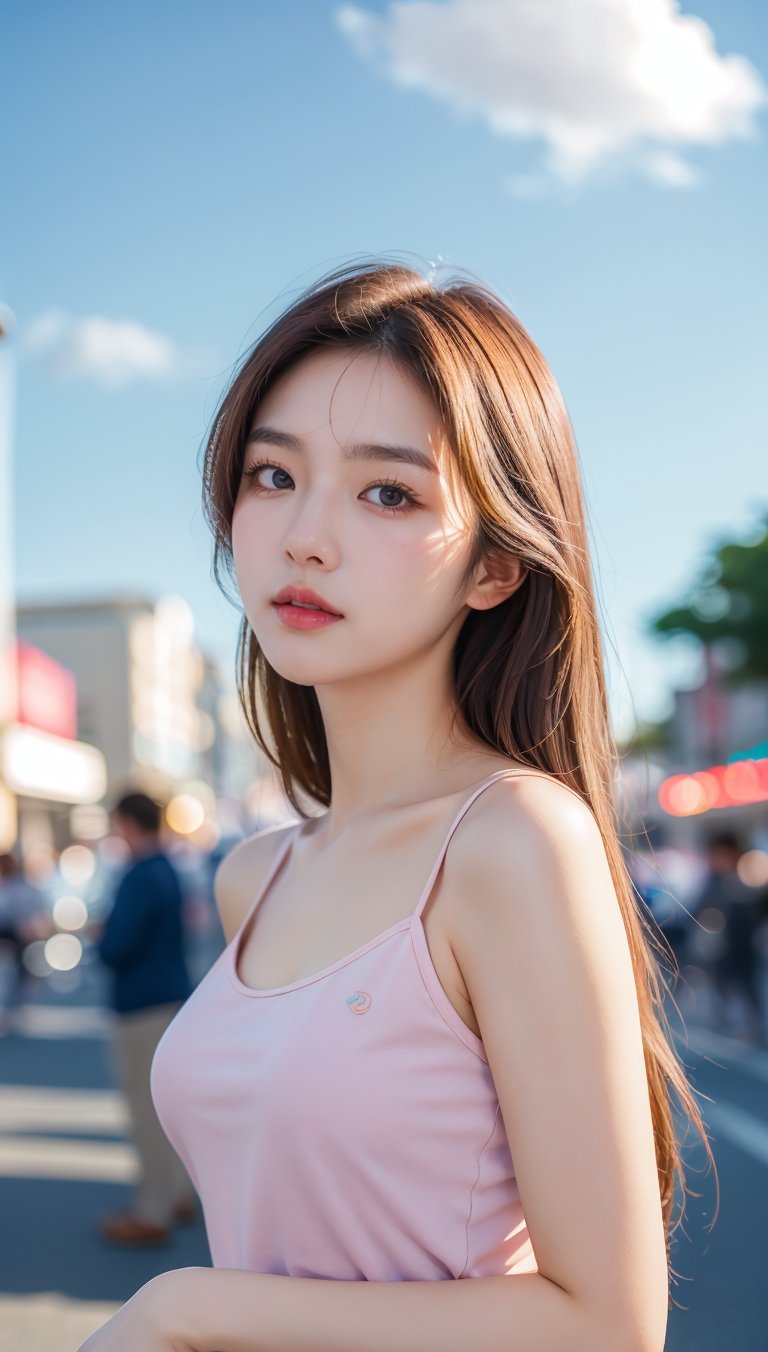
(391, 744)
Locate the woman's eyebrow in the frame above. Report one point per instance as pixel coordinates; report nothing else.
(366, 450)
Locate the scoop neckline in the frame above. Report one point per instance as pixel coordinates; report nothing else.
(232, 952)
(236, 943)
(252, 991)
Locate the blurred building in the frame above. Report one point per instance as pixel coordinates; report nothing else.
(158, 708)
(137, 672)
(45, 771)
(230, 760)
(715, 761)
(716, 722)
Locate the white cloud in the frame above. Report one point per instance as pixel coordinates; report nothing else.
(600, 83)
(111, 351)
(667, 167)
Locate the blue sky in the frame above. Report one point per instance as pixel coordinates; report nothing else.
(177, 172)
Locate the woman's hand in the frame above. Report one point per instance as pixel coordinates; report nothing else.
(152, 1320)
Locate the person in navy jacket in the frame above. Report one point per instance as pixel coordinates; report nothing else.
(142, 943)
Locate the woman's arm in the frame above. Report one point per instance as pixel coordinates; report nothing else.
(543, 950)
(541, 944)
(222, 1310)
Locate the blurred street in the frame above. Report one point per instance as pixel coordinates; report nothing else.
(64, 1161)
(720, 1282)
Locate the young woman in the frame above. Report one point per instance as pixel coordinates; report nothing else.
(434, 1047)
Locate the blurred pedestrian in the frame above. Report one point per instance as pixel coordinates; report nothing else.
(664, 906)
(735, 965)
(142, 942)
(24, 917)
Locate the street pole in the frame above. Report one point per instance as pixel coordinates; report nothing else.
(8, 693)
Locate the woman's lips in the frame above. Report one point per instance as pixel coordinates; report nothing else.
(300, 617)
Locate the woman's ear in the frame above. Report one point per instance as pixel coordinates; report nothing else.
(496, 579)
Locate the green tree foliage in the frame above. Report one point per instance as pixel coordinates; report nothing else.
(728, 607)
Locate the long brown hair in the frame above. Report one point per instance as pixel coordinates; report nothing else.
(529, 678)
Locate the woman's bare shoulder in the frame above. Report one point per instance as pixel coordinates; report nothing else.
(529, 816)
(241, 873)
(527, 790)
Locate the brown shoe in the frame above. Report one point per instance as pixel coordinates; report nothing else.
(125, 1228)
(185, 1212)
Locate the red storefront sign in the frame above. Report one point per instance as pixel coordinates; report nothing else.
(46, 692)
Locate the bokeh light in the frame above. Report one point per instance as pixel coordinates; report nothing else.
(70, 913)
(63, 952)
(77, 864)
(185, 814)
(741, 781)
(34, 959)
(738, 782)
(752, 868)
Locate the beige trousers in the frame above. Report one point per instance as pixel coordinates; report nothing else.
(162, 1181)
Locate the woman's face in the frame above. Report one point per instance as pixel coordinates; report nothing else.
(319, 513)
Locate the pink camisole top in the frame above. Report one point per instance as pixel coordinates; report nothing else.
(345, 1126)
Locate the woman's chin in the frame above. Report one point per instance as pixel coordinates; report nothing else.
(307, 671)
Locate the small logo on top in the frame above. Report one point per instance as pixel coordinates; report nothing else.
(359, 1002)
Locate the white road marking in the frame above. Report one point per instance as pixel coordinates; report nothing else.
(51, 1021)
(48, 1322)
(88, 1111)
(88, 1161)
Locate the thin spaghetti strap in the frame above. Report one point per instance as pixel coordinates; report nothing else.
(279, 856)
(498, 774)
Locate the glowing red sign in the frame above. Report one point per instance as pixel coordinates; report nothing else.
(732, 785)
(47, 692)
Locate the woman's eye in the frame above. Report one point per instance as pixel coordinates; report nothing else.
(254, 472)
(395, 498)
(390, 490)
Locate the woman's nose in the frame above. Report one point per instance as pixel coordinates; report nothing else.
(311, 535)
